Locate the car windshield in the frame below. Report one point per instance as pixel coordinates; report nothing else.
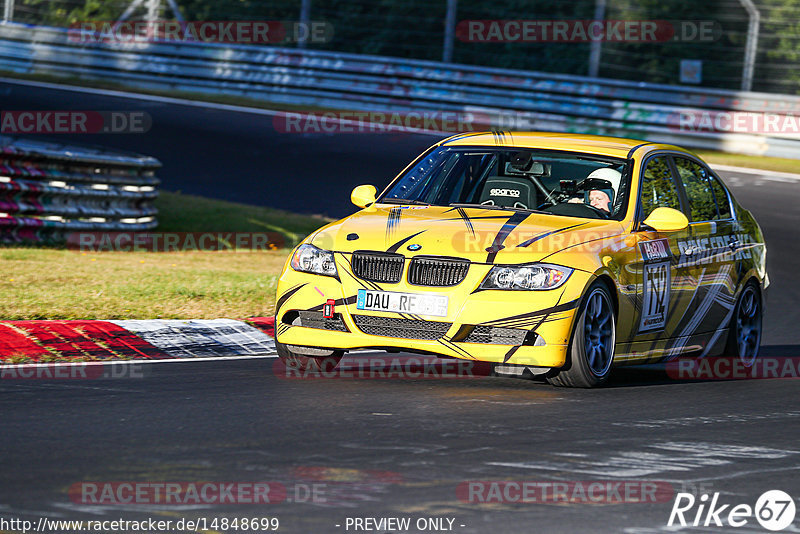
(576, 185)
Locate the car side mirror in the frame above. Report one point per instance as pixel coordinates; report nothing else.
(666, 220)
(363, 195)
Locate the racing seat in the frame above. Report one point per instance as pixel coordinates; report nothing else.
(509, 191)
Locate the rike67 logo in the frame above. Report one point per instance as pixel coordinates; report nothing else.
(774, 510)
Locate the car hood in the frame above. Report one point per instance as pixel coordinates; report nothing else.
(480, 235)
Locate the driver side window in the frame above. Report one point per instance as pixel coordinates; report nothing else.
(658, 187)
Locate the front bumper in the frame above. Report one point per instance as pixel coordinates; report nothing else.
(516, 327)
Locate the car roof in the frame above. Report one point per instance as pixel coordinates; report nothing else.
(618, 147)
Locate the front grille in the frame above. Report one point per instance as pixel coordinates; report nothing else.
(424, 271)
(377, 267)
(403, 328)
(495, 336)
(314, 319)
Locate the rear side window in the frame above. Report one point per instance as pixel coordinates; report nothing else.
(658, 188)
(721, 196)
(702, 202)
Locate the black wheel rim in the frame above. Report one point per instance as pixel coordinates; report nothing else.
(748, 326)
(598, 333)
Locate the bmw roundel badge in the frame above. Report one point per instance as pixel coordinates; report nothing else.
(414, 247)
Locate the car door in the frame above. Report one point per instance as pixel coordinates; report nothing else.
(664, 290)
(707, 254)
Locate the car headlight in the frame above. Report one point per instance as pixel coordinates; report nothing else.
(310, 259)
(530, 277)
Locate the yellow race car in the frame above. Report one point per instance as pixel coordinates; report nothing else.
(554, 254)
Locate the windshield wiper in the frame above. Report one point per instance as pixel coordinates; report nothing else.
(401, 201)
(494, 207)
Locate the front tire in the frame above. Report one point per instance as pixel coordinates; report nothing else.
(591, 349)
(744, 331)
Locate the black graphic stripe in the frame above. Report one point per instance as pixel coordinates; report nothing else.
(566, 306)
(528, 323)
(551, 319)
(392, 221)
(541, 321)
(476, 217)
(508, 227)
(530, 320)
(547, 234)
(510, 353)
(499, 137)
(373, 285)
(462, 136)
(283, 298)
(578, 245)
(366, 284)
(351, 275)
(465, 217)
(458, 350)
(402, 242)
(676, 303)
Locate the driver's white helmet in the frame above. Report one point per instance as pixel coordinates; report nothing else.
(606, 173)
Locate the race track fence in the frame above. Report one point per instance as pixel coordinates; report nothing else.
(48, 190)
(504, 99)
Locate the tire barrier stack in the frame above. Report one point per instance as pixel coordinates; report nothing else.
(512, 99)
(49, 190)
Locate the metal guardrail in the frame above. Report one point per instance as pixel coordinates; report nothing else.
(49, 190)
(521, 99)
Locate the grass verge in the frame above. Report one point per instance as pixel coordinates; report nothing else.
(188, 213)
(67, 284)
(48, 283)
(753, 162)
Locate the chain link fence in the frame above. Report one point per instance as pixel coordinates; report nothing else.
(689, 42)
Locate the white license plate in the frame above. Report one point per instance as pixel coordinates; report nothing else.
(390, 301)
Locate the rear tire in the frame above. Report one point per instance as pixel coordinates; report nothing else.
(591, 349)
(306, 363)
(744, 331)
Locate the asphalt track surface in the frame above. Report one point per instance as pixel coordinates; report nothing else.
(390, 448)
